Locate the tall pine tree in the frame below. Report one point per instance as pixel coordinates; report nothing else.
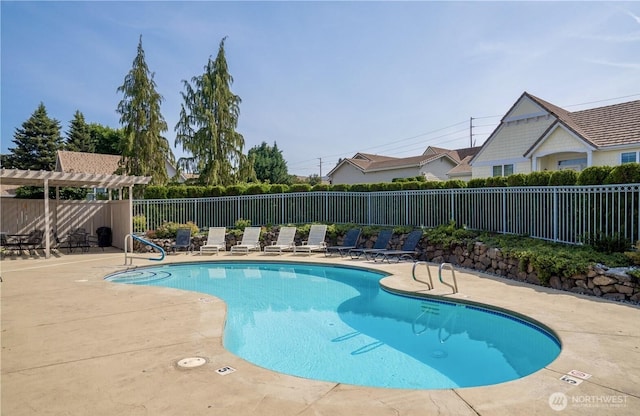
(268, 163)
(78, 137)
(144, 150)
(207, 126)
(36, 143)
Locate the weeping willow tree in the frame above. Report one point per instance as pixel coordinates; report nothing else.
(144, 149)
(207, 127)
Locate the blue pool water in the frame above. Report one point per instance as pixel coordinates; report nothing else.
(337, 324)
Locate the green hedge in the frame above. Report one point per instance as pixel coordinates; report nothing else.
(595, 175)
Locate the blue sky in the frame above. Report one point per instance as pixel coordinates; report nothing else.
(325, 79)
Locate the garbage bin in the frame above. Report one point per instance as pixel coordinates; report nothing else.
(105, 237)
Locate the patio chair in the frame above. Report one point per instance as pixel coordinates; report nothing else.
(30, 241)
(183, 240)
(350, 242)
(250, 241)
(315, 241)
(407, 252)
(215, 241)
(34, 240)
(284, 241)
(384, 236)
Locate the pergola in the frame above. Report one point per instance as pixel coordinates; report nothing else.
(48, 179)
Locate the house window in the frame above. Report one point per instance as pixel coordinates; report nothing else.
(573, 164)
(628, 157)
(503, 170)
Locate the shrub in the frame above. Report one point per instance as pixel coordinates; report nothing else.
(566, 177)
(634, 255)
(538, 178)
(241, 224)
(360, 187)
(594, 175)
(518, 179)
(341, 187)
(615, 243)
(170, 229)
(376, 187)
(454, 184)
(432, 185)
(234, 190)
(256, 189)
(320, 187)
(215, 190)
(139, 223)
(299, 187)
(155, 192)
(174, 192)
(627, 173)
(393, 186)
(477, 183)
(196, 191)
(496, 181)
(278, 188)
(410, 185)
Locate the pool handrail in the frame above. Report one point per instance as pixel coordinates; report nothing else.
(453, 286)
(413, 273)
(129, 258)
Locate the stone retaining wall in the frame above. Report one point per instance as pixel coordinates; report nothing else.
(600, 281)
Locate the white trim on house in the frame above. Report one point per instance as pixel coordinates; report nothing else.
(511, 161)
(536, 116)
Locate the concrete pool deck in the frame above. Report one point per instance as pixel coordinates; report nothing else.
(73, 344)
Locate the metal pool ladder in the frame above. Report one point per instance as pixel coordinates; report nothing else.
(453, 286)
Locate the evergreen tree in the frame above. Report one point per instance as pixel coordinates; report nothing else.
(268, 163)
(207, 126)
(108, 141)
(79, 137)
(36, 143)
(144, 150)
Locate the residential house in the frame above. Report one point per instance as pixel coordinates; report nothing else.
(535, 135)
(434, 164)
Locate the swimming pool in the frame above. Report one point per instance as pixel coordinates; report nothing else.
(336, 324)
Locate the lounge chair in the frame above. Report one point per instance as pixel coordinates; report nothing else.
(384, 236)
(284, 241)
(183, 240)
(407, 252)
(350, 242)
(250, 241)
(215, 241)
(315, 242)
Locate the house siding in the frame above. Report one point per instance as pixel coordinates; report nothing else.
(612, 157)
(437, 168)
(560, 141)
(524, 108)
(347, 174)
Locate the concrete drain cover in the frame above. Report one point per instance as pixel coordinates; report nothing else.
(191, 362)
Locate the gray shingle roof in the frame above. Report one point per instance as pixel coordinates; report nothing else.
(602, 126)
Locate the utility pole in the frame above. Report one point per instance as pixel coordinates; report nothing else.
(470, 131)
(320, 159)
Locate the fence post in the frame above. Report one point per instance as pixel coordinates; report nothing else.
(504, 211)
(555, 214)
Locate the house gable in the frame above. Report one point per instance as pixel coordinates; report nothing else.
(526, 121)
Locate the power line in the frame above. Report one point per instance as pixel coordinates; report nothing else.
(602, 101)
